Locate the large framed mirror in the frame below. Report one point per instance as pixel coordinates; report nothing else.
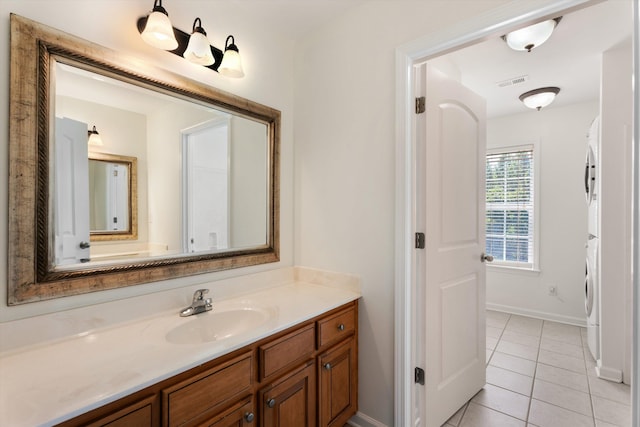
(194, 185)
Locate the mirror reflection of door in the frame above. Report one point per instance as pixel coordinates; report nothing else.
(109, 184)
(72, 190)
(206, 182)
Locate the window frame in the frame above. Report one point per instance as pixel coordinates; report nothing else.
(534, 266)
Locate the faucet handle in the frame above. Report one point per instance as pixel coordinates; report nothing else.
(199, 294)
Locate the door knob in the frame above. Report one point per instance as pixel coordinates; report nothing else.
(249, 417)
(327, 366)
(271, 403)
(484, 257)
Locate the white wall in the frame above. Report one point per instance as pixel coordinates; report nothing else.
(615, 213)
(111, 23)
(560, 136)
(345, 163)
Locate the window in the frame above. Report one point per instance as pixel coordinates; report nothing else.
(510, 208)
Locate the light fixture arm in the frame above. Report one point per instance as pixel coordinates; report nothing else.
(183, 40)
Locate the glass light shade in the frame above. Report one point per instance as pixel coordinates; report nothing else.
(539, 98)
(199, 50)
(231, 65)
(532, 36)
(94, 137)
(158, 31)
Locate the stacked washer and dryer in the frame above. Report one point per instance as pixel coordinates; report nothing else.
(592, 281)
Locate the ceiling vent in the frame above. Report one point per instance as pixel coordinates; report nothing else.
(512, 81)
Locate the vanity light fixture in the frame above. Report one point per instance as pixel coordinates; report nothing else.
(199, 50)
(94, 137)
(231, 65)
(194, 47)
(158, 31)
(530, 37)
(539, 98)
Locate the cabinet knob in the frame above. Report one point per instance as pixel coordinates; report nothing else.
(341, 327)
(84, 245)
(271, 403)
(248, 416)
(327, 366)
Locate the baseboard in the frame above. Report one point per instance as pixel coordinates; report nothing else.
(570, 320)
(362, 420)
(607, 373)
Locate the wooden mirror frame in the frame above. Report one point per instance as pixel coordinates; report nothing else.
(131, 233)
(30, 255)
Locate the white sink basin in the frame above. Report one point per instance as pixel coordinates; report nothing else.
(217, 325)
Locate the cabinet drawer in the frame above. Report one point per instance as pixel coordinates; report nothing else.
(207, 393)
(336, 327)
(285, 352)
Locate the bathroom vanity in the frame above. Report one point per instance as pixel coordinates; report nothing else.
(282, 354)
(304, 375)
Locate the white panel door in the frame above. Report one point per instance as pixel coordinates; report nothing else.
(450, 281)
(207, 187)
(71, 198)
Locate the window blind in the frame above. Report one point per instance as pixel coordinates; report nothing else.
(509, 207)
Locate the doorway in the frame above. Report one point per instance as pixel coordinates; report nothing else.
(499, 21)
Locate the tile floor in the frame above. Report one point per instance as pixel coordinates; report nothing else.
(541, 374)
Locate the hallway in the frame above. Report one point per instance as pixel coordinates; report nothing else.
(541, 374)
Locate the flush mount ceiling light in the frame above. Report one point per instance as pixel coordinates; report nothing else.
(231, 65)
(194, 47)
(94, 137)
(199, 50)
(539, 98)
(532, 36)
(158, 31)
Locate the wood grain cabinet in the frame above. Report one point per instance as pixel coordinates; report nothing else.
(304, 376)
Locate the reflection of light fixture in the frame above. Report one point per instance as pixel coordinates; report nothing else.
(94, 137)
(199, 50)
(539, 98)
(532, 36)
(158, 31)
(231, 65)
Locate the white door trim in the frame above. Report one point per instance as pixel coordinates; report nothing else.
(490, 24)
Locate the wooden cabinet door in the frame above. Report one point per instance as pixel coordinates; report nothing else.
(242, 414)
(338, 384)
(290, 401)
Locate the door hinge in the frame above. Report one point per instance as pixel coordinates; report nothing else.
(420, 242)
(420, 105)
(419, 376)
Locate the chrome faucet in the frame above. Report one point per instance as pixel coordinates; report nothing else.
(199, 304)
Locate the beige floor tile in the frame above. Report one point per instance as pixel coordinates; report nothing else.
(569, 336)
(513, 363)
(611, 412)
(519, 350)
(489, 355)
(561, 361)
(561, 347)
(564, 397)
(494, 332)
(455, 418)
(505, 401)
(545, 415)
(514, 337)
(524, 325)
(480, 416)
(563, 377)
(604, 424)
(510, 380)
(590, 364)
(491, 343)
(610, 390)
(497, 318)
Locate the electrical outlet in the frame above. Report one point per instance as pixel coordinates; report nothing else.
(553, 291)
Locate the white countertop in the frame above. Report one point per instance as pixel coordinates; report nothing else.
(47, 383)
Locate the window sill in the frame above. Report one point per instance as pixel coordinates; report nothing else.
(501, 268)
